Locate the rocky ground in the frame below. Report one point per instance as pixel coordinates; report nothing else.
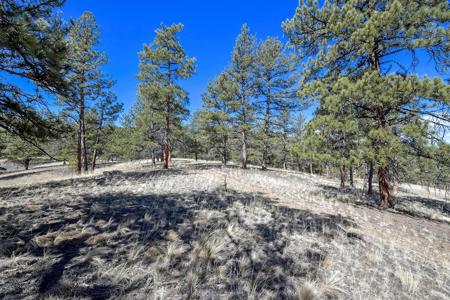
(199, 231)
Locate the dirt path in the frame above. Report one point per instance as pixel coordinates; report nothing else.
(426, 238)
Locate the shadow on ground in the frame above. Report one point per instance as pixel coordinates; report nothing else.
(231, 243)
(412, 205)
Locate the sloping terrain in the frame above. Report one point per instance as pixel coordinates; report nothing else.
(199, 231)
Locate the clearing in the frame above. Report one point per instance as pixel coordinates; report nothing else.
(199, 231)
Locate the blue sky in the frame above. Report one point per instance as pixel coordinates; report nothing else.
(210, 31)
(209, 34)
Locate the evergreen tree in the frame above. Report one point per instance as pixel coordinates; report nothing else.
(163, 63)
(20, 151)
(357, 43)
(102, 116)
(85, 78)
(242, 71)
(32, 47)
(149, 130)
(284, 130)
(275, 80)
(217, 116)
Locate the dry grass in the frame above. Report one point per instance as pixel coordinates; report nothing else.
(138, 233)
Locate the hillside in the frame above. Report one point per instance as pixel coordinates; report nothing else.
(201, 231)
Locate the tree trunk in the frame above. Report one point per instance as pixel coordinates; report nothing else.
(327, 170)
(225, 151)
(299, 166)
(26, 163)
(266, 125)
(383, 186)
(244, 150)
(310, 168)
(343, 175)
(79, 163)
(351, 176)
(94, 155)
(196, 156)
(94, 159)
(153, 158)
(370, 179)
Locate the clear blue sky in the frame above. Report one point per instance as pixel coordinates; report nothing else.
(209, 34)
(210, 31)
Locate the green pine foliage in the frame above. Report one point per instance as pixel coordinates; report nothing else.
(32, 48)
(162, 64)
(276, 87)
(242, 71)
(217, 116)
(353, 49)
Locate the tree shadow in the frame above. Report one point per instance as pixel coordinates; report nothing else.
(68, 231)
(22, 173)
(406, 204)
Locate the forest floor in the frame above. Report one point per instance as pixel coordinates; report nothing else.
(199, 231)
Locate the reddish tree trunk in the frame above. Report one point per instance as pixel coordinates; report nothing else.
(383, 186)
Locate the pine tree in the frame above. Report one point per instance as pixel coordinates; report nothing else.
(85, 78)
(102, 116)
(242, 71)
(217, 115)
(33, 48)
(358, 44)
(162, 64)
(20, 151)
(275, 80)
(284, 129)
(148, 129)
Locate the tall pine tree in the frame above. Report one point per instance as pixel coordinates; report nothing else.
(85, 78)
(217, 115)
(358, 43)
(242, 71)
(275, 81)
(162, 64)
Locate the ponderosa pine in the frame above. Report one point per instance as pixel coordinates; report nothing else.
(162, 64)
(358, 42)
(275, 84)
(242, 71)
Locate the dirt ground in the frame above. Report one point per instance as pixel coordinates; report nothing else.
(200, 231)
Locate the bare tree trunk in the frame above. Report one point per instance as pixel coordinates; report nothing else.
(383, 185)
(343, 175)
(310, 168)
(196, 155)
(370, 179)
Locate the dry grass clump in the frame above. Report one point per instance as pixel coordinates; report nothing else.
(177, 234)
